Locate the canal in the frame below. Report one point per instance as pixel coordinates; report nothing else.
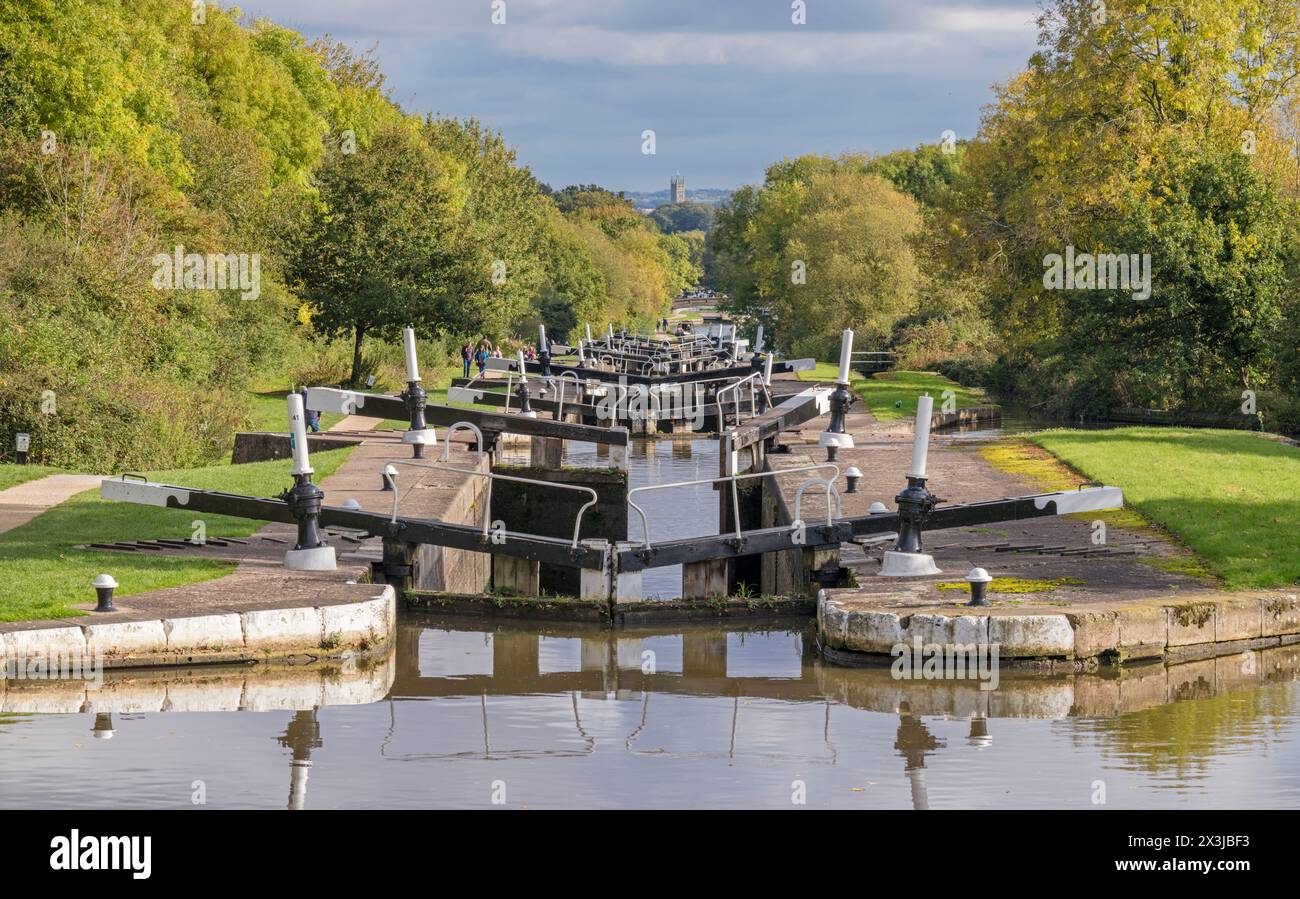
(459, 714)
(690, 511)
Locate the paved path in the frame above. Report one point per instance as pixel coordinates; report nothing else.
(355, 423)
(19, 505)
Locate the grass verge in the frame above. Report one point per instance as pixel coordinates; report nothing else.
(1231, 496)
(42, 573)
(893, 394)
(12, 475)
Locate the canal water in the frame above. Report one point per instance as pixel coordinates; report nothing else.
(689, 511)
(467, 716)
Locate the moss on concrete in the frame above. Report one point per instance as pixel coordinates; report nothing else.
(1016, 584)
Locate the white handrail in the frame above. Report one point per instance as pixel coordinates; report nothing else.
(753, 408)
(577, 382)
(832, 489)
(492, 476)
(735, 505)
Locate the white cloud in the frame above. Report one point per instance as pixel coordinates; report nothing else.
(794, 49)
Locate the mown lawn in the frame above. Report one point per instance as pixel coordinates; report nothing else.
(12, 475)
(42, 572)
(893, 394)
(1232, 496)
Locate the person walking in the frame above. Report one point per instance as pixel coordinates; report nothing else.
(481, 358)
(310, 418)
(466, 357)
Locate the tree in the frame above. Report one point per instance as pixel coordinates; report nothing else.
(379, 252)
(853, 241)
(1149, 131)
(673, 218)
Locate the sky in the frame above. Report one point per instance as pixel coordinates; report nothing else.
(727, 86)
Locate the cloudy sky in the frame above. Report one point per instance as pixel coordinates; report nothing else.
(728, 86)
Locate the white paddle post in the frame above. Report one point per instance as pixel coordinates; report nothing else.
(310, 552)
(835, 436)
(419, 434)
(915, 504)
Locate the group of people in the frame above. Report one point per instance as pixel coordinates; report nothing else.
(471, 354)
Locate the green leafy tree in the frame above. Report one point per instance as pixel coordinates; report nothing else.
(379, 252)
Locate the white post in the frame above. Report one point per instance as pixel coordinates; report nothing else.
(587, 325)
(846, 354)
(921, 443)
(298, 431)
(412, 369)
(758, 340)
(767, 371)
(541, 338)
(582, 355)
(523, 369)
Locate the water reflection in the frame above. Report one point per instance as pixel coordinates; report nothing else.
(461, 715)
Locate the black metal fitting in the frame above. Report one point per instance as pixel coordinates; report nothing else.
(915, 504)
(415, 402)
(841, 399)
(525, 407)
(305, 501)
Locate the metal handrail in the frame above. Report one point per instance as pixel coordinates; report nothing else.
(577, 382)
(735, 503)
(832, 489)
(753, 405)
(492, 476)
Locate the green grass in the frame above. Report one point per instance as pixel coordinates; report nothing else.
(893, 394)
(42, 573)
(1231, 496)
(13, 475)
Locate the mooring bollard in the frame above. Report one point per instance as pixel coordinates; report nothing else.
(104, 586)
(22, 442)
(835, 436)
(525, 405)
(389, 477)
(852, 476)
(979, 581)
(305, 499)
(915, 504)
(419, 434)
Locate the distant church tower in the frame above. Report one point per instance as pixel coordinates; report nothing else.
(677, 189)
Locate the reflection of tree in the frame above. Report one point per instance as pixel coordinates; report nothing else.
(1182, 737)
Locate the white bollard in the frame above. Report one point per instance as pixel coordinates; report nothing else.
(846, 355)
(412, 369)
(298, 434)
(921, 441)
(311, 553)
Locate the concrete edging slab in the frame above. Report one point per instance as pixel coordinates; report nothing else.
(256, 635)
(1200, 626)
